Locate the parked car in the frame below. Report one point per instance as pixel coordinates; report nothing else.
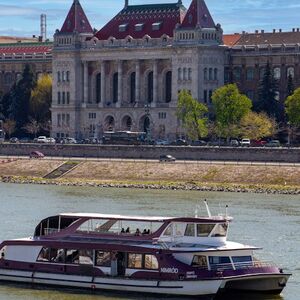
(198, 143)
(162, 142)
(180, 142)
(25, 140)
(42, 139)
(68, 140)
(234, 143)
(245, 143)
(51, 140)
(258, 143)
(14, 140)
(167, 158)
(273, 143)
(36, 154)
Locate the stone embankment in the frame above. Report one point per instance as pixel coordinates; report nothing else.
(153, 175)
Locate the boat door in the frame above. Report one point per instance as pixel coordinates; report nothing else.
(118, 264)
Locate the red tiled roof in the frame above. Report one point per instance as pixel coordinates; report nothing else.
(198, 14)
(264, 38)
(76, 20)
(27, 49)
(231, 39)
(166, 15)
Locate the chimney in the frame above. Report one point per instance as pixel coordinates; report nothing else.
(262, 31)
(126, 3)
(256, 31)
(280, 30)
(297, 29)
(274, 30)
(43, 27)
(244, 32)
(293, 29)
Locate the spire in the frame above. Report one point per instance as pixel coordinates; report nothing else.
(76, 20)
(198, 15)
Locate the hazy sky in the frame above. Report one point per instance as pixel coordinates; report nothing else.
(21, 18)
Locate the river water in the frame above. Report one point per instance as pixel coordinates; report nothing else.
(268, 221)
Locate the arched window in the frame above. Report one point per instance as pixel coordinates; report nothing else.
(168, 86)
(190, 74)
(237, 73)
(98, 88)
(150, 87)
(210, 74)
(250, 74)
(115, 87)
(179, 74)
(132, 87)
(8, 78)
(277, 73)
(291, 72)
(215, 74)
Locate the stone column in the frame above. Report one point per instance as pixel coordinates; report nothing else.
(102, 102)
(85, 83)
(120, 83)
(137, 81)
(155, 83)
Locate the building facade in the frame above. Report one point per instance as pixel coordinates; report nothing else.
(127, 75)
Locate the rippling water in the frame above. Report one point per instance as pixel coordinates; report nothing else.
(268, 221)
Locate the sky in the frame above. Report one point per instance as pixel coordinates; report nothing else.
(22, 18)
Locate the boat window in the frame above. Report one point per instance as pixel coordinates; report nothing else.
(242, 261)
(190, 230)
(217, 262)
(199, 261)
(179, 229)
(85, 257)
(151, 262)
(220, 230)
(203, 230)
(72, 256)
(169, 230)
(103, 259)
(134, 261)
(44, 255)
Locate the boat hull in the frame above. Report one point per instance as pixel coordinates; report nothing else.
(201, 288)
(257, 283)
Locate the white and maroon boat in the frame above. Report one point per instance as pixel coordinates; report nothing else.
(179, 256)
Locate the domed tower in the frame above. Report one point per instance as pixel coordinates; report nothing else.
(68, 72)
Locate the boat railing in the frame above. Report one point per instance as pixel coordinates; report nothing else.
(157, 241)
(242, 265)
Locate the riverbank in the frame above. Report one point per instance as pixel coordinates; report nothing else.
(153, 175)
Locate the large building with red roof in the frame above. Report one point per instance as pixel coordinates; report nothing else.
(127, 75)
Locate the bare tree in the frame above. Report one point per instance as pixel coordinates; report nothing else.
(9, 127)
(33, 127)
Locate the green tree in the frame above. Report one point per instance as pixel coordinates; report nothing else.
(20, 99)
(257, 126)
(40, 101)
(230, 107)
(268, 93)
(192, 115)
(292, 108)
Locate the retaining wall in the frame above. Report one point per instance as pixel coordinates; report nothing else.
(288, 155)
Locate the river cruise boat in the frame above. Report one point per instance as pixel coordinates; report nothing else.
(163, 255)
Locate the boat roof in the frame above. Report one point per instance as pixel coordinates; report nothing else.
(144, 218)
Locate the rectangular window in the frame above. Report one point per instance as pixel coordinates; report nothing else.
(205, 96)
(134, 261)
(217, 262)
(103, 259)
(123, 27)
(72, 256)
(139, 27)
(151, 262)
(58, 120)
(68, 97)
(52, 255)
(242, 261)
(203, 230)
(68, 119)
(199, 261)
(156, 26)
(58, 98)
(63, 98)
(190, 230)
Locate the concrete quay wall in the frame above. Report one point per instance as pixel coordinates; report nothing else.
(286, 155)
